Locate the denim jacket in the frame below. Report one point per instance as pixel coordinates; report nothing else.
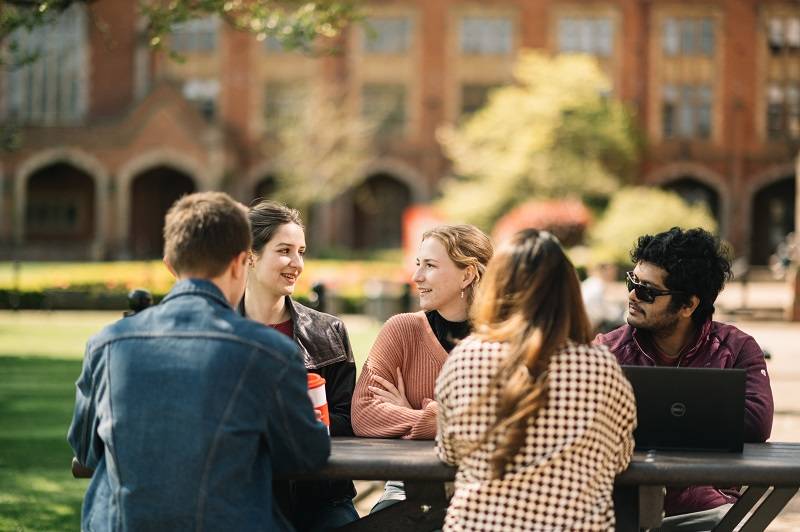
(185, 411)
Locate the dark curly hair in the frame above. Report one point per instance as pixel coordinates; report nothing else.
(696, 262)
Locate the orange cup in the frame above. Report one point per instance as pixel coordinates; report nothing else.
(316, 392)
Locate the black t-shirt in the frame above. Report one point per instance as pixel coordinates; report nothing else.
(447, 332)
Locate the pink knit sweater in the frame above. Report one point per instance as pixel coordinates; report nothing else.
(407, 342)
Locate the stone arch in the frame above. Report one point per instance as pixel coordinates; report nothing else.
(773, 187)
(153, 191)
(681, 175)
(378, 204)
(83, 162)
(163, 157)
(253, 179)
(404, 173)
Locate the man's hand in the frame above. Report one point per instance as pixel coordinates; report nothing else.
(395, 395)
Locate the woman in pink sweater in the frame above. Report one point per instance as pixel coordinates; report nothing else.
(394, 394)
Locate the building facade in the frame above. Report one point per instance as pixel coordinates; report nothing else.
(112, 133)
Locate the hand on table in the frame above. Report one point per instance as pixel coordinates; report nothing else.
(394, 395)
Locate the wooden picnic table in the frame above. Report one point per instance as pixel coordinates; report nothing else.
(770, 470)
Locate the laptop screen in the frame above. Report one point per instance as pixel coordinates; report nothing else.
(698, 409)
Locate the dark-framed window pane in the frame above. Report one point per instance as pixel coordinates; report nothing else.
(387, 35)
(703, 112)
(474, 96)
(486, 35)
(384, 104)
(671, 37)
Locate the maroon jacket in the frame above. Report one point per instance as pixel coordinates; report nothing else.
(718, 346)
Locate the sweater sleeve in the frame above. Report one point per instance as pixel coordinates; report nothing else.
(758, 404)
(375, 419)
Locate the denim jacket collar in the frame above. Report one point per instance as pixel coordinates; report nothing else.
(202, 287)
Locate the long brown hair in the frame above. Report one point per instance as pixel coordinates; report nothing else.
(530, 298)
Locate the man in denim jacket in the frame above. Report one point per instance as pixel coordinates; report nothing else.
(185, 410)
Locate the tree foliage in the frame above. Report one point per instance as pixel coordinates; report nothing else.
(636, 211)
(553, 133)
(321, 153)
(296, 24)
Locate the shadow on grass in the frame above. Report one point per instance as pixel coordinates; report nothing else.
(37, 491)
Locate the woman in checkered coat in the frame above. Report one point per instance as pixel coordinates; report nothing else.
(538, 421)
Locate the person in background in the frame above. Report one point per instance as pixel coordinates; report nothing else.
(675, 281)
(604, 314)
(275, 262)
(164, 405)
(538, 421)
(394, 393)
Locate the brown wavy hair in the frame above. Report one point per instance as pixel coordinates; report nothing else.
(531, 299)
(466, 246)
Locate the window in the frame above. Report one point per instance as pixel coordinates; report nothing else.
(385, 105)
(272, 44)
(473, 97)
(486, 35)
(198, 35)
(203, 93)
(387, 35)
(586, 35)
(688, 36)
(283, 103)
(51, 89)
(686, 111)
(783, 111)
(783, 35)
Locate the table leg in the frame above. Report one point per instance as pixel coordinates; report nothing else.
(422, 511)
(638, 507)
(745, 503)
(769, 509)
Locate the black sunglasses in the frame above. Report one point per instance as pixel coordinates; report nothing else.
(645, 293)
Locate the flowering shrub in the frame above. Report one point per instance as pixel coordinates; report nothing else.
(566, 218)
(344, 277)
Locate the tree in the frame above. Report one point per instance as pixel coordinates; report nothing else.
(636, 211)
(302, 25)
(320, 152)
(297, 24)
(553, 133)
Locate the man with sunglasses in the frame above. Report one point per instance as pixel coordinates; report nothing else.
(675, 281)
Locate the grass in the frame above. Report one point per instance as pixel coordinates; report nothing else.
(40, 359)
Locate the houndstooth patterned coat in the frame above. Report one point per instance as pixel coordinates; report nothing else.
(563, 476)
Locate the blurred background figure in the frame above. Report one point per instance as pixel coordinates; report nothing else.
(604, 314)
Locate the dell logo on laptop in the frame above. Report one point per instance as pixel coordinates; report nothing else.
(677, 409)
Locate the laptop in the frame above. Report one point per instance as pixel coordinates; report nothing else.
(688, 409)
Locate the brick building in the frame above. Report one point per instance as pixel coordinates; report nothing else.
(113, 133)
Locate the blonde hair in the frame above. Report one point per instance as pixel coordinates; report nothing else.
(466, 246)
(530, 298)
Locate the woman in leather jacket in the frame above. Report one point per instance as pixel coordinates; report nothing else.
(275, 263)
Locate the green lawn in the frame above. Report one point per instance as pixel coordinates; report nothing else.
(40, 358)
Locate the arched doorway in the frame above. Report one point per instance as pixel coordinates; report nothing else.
(378, 206)
(152, 193)
(265, 188)
(60, 202)
(772, 218)
(696, 192)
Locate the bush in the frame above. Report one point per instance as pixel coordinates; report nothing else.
(636, 211)
(567, 219)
